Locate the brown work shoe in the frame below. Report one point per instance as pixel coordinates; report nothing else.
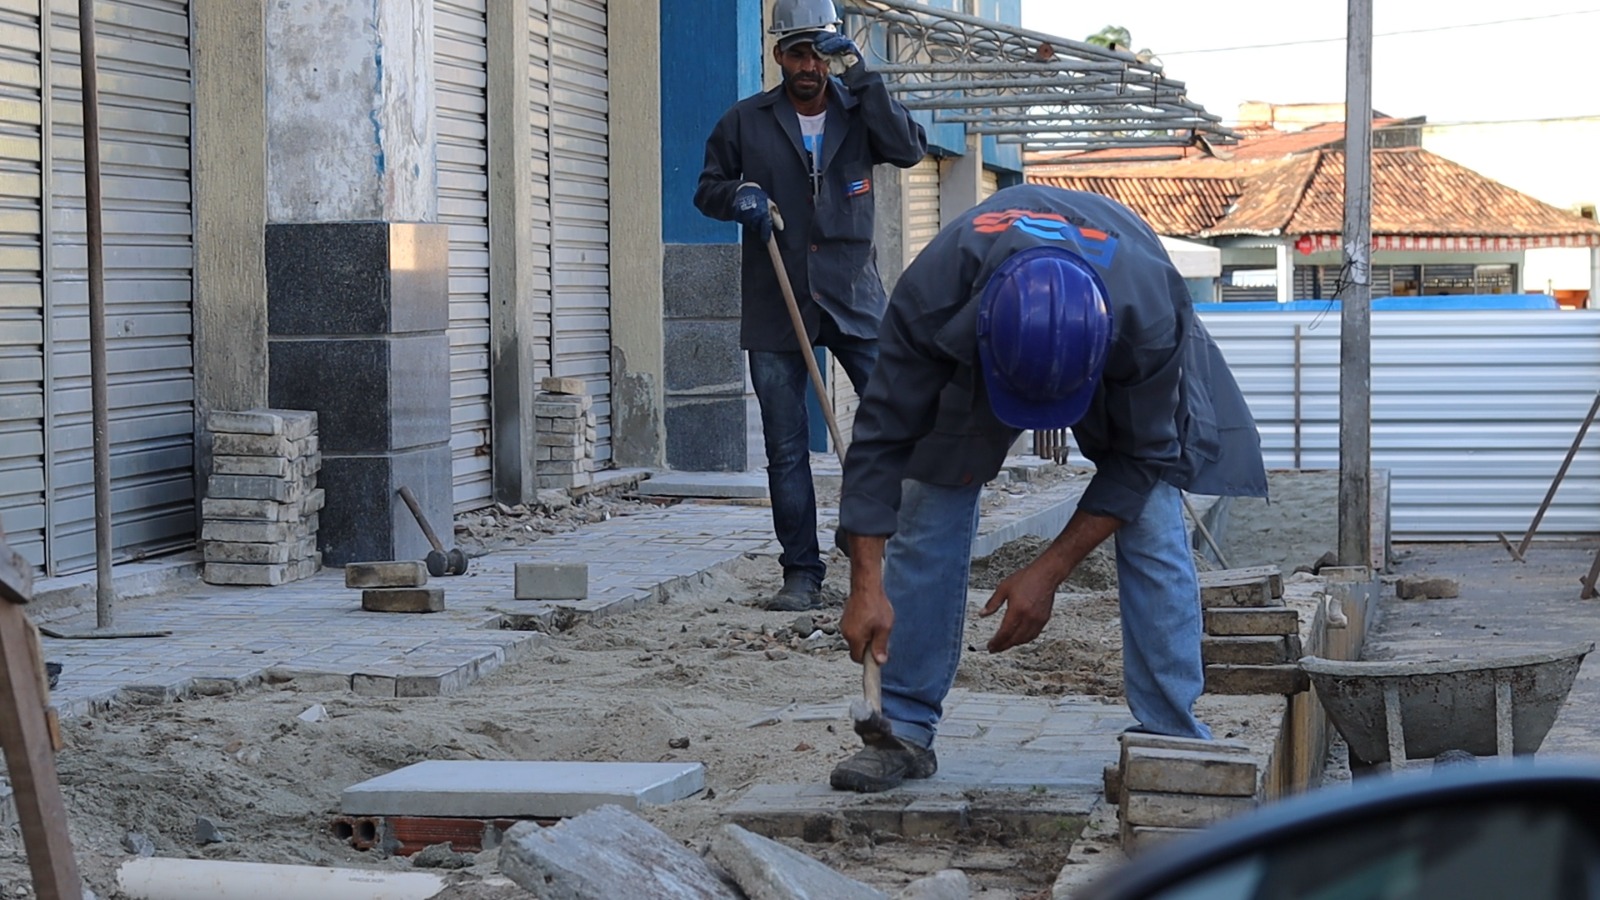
(875, 769)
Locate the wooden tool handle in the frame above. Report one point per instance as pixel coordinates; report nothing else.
(872, 682)
(422, 521)
(805, 343)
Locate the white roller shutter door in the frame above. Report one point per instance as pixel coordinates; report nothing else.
(539, 210)
(461, 58)
(922, 206)
(22, 267)
(581, 203)
(146, 91)
(991, 183)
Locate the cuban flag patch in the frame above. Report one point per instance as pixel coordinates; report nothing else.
(857, 188)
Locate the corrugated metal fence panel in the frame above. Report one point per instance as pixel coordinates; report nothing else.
(145, 94)
(1472, 412)
(581, 202)
(22, 265)
(461, 57)
(539, 164)
(922, 206)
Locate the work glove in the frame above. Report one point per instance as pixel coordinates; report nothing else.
(841, 52)
(753, 209)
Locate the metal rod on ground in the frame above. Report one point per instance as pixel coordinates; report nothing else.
(1355, 334)
(1550, 495)
(805, 343)
(1205, 533)
(94, 236)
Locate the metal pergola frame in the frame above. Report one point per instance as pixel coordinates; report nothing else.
(1023, 87)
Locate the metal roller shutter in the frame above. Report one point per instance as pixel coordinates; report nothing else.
(146, 90)
(922, 206)
(581, 203)
(22, 266)
(539, 123)
(461, 58)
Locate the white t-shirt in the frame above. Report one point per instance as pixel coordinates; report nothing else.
(811, 134)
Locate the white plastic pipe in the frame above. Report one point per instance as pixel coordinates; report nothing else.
(160, 878)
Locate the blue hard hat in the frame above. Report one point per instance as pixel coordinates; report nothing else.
(1044, 330)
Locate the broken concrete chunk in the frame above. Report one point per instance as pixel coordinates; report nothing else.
(767, 870)
(1421, 587)
(607, 852)
(441, 856)
(947, 884)
(1188, 772)
(138, 844)
(207, 832)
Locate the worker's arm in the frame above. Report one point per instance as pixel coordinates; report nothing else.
(723, 171)
(895, 137)
(1029, 595)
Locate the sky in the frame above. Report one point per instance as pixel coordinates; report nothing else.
(1543, 67)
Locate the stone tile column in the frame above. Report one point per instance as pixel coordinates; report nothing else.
(357, 268)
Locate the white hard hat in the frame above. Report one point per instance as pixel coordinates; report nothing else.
(794, 16)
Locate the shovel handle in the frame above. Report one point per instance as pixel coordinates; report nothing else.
(805, 344)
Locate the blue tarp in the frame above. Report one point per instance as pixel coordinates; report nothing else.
(1408, 304)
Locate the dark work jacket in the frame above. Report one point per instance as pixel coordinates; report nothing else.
(1167, 408)
(826, 243)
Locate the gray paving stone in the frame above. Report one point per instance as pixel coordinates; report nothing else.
(713, 485)
(607, 853)
(493, 788)
(767, 870)
(949, 884)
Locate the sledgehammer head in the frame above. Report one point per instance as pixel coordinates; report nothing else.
(872, 725)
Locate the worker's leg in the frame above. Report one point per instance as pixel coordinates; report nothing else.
(780, 382)
(925, 574)
(1161, 625)
(858, 356)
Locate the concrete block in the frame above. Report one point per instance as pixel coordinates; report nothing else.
(1246, 621)
(553, 409)
(403, 600)
(441, 684)
(289, 423)
(247, 574)
(716, 485)
(1138, 839)
(250, 487)
(399, 574)
(935, 817)
(555, 385)
(382, 686)
(213, 508)
(947, 884)
(275, 445)
(490, 788)
(767, 870)
(1132, 739)
(1111, 776)
(1423, 587)
(607, 853)
(1245, 650)
(266, 532)
(552, 581)
(1235, 679)
(1188, 772)
(258, 554)
(1257, 586)
(1182, 810)
(265, 466)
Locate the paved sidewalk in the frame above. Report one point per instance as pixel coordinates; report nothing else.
(314, 633)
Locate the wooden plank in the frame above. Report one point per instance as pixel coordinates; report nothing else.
(30, 760)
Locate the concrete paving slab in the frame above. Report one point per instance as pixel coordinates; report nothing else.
(1035, 765)
(767, 870)
(483, 789)
(711, 485)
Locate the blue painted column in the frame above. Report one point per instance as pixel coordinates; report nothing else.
(711, 57)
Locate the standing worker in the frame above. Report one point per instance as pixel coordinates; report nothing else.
(808, 146)
(1039, 308)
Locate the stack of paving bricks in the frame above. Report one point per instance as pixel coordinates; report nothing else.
(1166, 786)
(1252, 640)
(260, 510)
(564, 446)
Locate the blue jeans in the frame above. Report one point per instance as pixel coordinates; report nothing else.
(780, 380)
(925, 575)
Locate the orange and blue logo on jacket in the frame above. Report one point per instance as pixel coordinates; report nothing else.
(857, 188)
(1096, 246)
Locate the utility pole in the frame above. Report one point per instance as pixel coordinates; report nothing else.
(1355, 334)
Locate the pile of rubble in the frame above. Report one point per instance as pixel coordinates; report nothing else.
(809, 633)
(502, 526)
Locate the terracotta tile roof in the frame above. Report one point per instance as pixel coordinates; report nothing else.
(1420, 193)
(1415, 194)
(1254, 144)
(1172, 206)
